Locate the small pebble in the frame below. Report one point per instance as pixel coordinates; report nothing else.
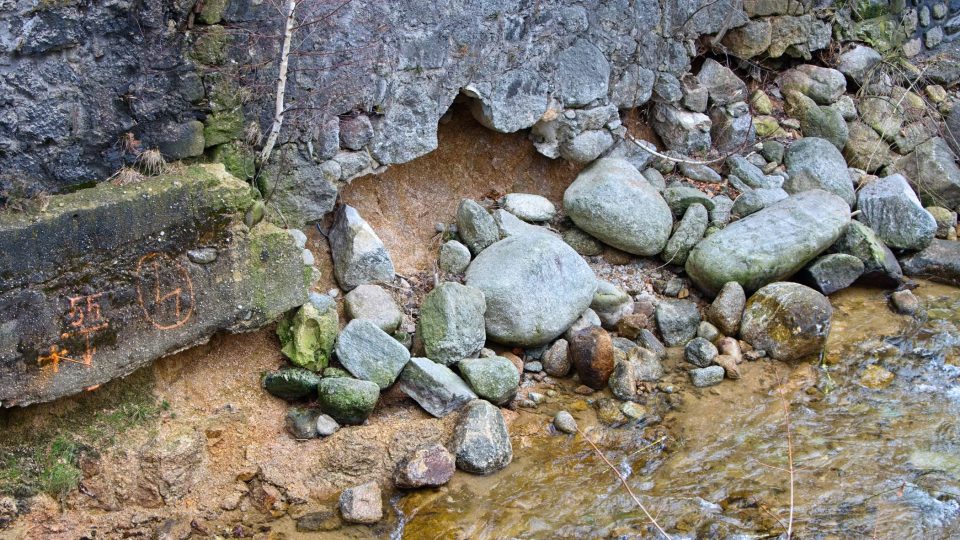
(326, 425)
(533, 367)
(564, 422)
(528, 404)
(633, 410)
(537, 397)
(583, 390)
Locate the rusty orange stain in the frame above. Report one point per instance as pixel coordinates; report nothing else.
(170, 280)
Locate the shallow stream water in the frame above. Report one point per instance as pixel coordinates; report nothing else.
(873, 459)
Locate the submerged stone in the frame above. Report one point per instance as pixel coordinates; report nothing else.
(787, 320)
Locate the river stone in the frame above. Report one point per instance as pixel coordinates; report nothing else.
(677, 321)
(787, 320)
(434, 387)
(587, 319)
(307, 335)
(882, 114)
(700, 352)
(582, 243)
(688, 233)
(700, 173)
(375, 304)
(879, 263)
(891, 208)
(592, 355)
(348, 401)
(650, 342)
(564, 422)
(771, 244)
(722, 83)
(451, 324)
(722, 208)
(646, 364)
(326, 425)
(610, 303)
(707, 331)
(613, 202)
(556, 361)
(814, 163)
(940, 261)
(476, 226)
(946, 222)
(362, 504)
(727, 308)
(535, 287)
(529, 207)
(751, 202)
(707, 376)
(823, 85)
(818, 120)
(358, 254)
(932, 169)
(858, 63)
(623, 381)
(830, 273)
(454, 257)
(682, 131)
(481, 441)
(655, 178)
(371, 354)
(301, 423)
(493, 379)
(750, 174)
(679, 197)
(291, 383)
(428, 466)
(510, 225)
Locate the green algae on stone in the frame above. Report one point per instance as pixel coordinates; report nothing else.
(212, 11)
(348, 401)
(210, 48)
(291, 383)
(223, 127)
(495, 379)
(238, 158)
(451, 323)
(307, 336)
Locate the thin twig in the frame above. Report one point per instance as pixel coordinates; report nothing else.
(790, 469)
(625, 484)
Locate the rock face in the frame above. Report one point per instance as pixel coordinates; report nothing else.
(434, 386)
(371, 354)
(891, 208)
(481, 441)
(535, 287)
(770, 244)
(451, 323)
(788, 320)
(613, 202)
(348, 401)
(122, 290)
(592, 355)
(940, 261)
(358, 254)
(494, 379)
(814, 163)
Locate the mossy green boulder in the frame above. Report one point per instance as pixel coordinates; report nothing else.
(494, 379)
(307, 336)
(291, 383)
(451, 323)
(348, 401)
(788, 320)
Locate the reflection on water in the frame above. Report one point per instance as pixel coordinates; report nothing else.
(873, 463)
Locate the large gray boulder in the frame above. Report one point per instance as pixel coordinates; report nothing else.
(932, 169)
(879, 264)
(451, 323)
(358, 254)
(371, 354)
(434, 387)
(814, 163)
(891, 208)
(481, 441)
(940, 261)
(722, 83)
(771, 244)
(535, 287)
(858, 63)
(788, 320)
(613, 202)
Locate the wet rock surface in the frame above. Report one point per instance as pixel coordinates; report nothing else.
(481, 442)
(788, 320)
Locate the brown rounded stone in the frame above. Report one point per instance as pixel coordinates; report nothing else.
(591, 353)
(428, 466)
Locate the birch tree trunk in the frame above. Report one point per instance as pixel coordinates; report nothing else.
(279, 106)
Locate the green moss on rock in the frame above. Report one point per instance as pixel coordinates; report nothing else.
(348, 401)
(291, 384)
(210, 48)
(238, 158)
(223, 127)
(307, 337)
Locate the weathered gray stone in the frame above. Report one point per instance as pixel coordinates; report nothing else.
(476, 226)
(655, 178)
(481, 441)
(451, 323)
(610, 303)
(371, 354)
(883, 114)
(770, 244)
(428, 466)
(535, 287)
(667, 88)
(797, 36)
(891, 208)
(301, 423)
(749, 40)
(493, 379)
(582, 243)
(633, 87)
(435, 387)
(750, 202)
(529, 207)
(454, 257)
(556, 361)
(932, 169)
(787, 320)
(645, 364)
(682, 131)
(510, 225)
(708, 376)
(830, 273)
(586, 146)
(513, 101)
(695, 95)
(326, 425)
(700, 352)
(708, 331)
(119, 290)
(650, 342)
(732, 127)
(946, 222)
(727, 308)
(814, 163)
(879, 263)
(700, 173)
(688, 233)
(817, 120)
(679, 197)
(940, 261)
(866, 150)
(750, 174)
(823, 85)
(722, 207)
(722, 83)
(858, 63)
(358, 254)
(182, 141)
(583, 74)
(612, 201)
(375, 304)
(677, 321)
(362, 504)
(348, 401)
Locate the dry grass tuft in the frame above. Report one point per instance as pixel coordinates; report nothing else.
(151, 162)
